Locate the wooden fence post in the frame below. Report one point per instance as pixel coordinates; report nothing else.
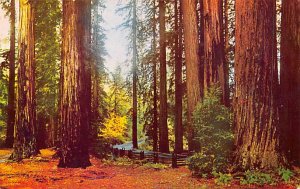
(155, 157)
(174, 160)
(130, 154)
(142, 155)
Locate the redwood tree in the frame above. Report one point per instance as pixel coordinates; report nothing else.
(290, 77)
(154, 70)
(163, 114)
(215, 68)
(25, 141)
(256, 84)
(134, 79)
(11, 83)
(178, 79)
(191, 43)
(75, 87)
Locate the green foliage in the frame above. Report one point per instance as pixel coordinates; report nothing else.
(121, 161)
(4, 54)
(213, 135)
(256, 177)
(155, 166)
(48, 21)
(285, 174)
(222, 179)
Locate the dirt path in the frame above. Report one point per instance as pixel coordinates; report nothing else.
(41, 172)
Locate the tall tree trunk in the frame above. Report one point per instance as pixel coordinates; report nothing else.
(95, 98)
(75, 100)
(226, 49)
(25, 142)
(95, 115)
(178, 79)
(11, 82)
(134, 82)
(256, 86)
(154, 70)
(191, 43)
(163, 114)
(290, 77)
(200, 18)
(215, 68)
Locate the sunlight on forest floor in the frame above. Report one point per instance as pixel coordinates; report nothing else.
(42, 172)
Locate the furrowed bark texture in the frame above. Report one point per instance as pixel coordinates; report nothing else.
(191, 43)
(25, 140)
(256, 81)
(290, 78)
(75, 101)
(215, 69)
(163, 114)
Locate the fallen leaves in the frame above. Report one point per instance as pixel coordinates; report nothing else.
(41, 172)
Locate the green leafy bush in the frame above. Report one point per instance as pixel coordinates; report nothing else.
(256, 177)
(155, 166)
(285, 174)
(212, 124)
(222, 179)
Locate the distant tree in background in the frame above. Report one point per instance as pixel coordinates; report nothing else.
(163, 114)
(12, 76)
(178, 77)
(48, 54)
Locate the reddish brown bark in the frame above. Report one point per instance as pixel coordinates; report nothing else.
(154, 70)
(25, 141)
(163, 114)
(256, 82)
(215, 68)
(290, 77)
(178, 79)
(191, 43)
(134, 79)
(75, 89)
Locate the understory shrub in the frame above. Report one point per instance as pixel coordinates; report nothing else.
(256, 177)
(212, 124)
(285, 174)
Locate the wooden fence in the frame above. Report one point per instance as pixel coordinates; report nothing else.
(173, 159)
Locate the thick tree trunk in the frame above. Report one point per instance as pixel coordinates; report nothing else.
(25, 142)
(178, 79)
(191, 43)
(11, 82)
(163, 114)
(154, 70)
(290, 77)
(75, 100)
(215, 68)
(134, 82)
(256, 86)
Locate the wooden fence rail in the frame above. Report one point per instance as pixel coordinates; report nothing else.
(173, 159)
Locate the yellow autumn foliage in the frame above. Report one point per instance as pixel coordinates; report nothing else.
(114, 127)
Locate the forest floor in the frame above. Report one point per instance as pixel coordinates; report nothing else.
(42, 172)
